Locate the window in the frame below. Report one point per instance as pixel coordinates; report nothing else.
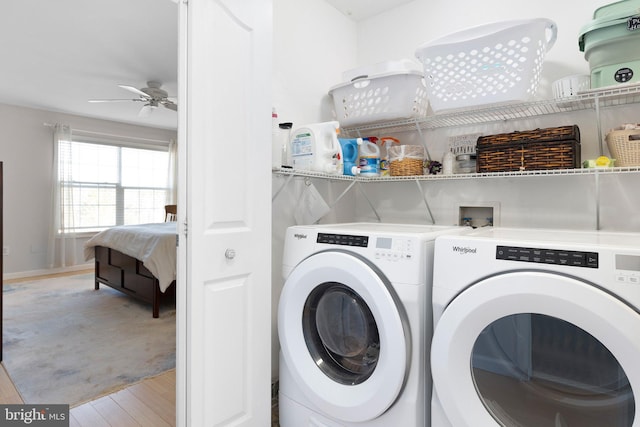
(108, 184)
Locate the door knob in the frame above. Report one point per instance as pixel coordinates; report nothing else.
(230, 254)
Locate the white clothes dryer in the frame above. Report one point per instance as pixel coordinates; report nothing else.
(354, 324)
(536, 328)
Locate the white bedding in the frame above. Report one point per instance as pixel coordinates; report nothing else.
(153, 244)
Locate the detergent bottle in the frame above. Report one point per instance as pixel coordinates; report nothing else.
(315, 147)
(349, 148)
(369, 159)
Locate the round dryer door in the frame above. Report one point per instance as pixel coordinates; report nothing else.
(533, 349)
(343, 335)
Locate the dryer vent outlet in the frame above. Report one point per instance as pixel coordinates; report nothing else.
(478, 216)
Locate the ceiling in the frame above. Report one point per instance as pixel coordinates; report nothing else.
(359, 10)
(56, 55)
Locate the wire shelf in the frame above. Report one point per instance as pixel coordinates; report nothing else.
(588, 100)
(541, 173)
(591, 99)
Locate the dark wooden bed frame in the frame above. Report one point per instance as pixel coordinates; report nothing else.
(128, 275)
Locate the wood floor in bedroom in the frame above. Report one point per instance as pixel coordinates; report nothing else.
(149, 403)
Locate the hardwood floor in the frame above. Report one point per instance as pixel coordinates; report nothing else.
(8, 392)
(46, 276)
(149, 403)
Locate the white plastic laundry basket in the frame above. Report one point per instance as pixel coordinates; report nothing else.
(387, 91)
(497, 62)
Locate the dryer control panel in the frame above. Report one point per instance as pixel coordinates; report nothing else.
(548, 256)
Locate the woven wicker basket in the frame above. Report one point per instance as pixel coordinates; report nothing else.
(406, 160)
(624, 146)
(538, 149)
(406, 167)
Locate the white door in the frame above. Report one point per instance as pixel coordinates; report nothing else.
(224, 366)
(531, 349)
(343, 335)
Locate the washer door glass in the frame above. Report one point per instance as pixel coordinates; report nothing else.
(536, 370)
(341, 333)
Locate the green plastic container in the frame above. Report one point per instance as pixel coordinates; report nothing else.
(611, 44)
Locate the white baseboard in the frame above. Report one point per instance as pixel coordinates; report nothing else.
(45, 271)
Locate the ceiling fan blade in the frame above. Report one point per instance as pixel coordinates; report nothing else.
(114, 100)
(170, 106)
(151, 96)
(134, 90)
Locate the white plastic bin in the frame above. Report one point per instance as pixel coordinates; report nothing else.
(491, 63)
(387, 91)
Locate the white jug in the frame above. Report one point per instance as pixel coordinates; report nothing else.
(315, 147)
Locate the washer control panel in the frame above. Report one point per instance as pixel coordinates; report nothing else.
(393, 249)
(389, 248)
(548, 256)
(628, 269)
(343, 239)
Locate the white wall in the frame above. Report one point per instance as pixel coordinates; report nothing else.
(313, 44)
(26, 152)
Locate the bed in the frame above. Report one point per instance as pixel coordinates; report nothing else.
(138, 260)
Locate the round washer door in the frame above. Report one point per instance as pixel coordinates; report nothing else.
(343, 335)
(535, 348)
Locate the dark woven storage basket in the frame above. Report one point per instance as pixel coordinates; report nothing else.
(538, 149)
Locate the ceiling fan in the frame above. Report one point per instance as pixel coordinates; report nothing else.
(152, 96)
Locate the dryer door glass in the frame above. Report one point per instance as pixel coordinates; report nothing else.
(534, 370)
(341, 333)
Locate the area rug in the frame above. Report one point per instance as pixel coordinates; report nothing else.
(65, 342)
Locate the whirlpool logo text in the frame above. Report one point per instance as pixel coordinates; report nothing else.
(464, 250)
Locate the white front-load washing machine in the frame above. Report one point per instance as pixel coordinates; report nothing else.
(354, 322)
(536, 328)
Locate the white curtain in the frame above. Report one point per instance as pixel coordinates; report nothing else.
(172, 175)
(61, 249)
